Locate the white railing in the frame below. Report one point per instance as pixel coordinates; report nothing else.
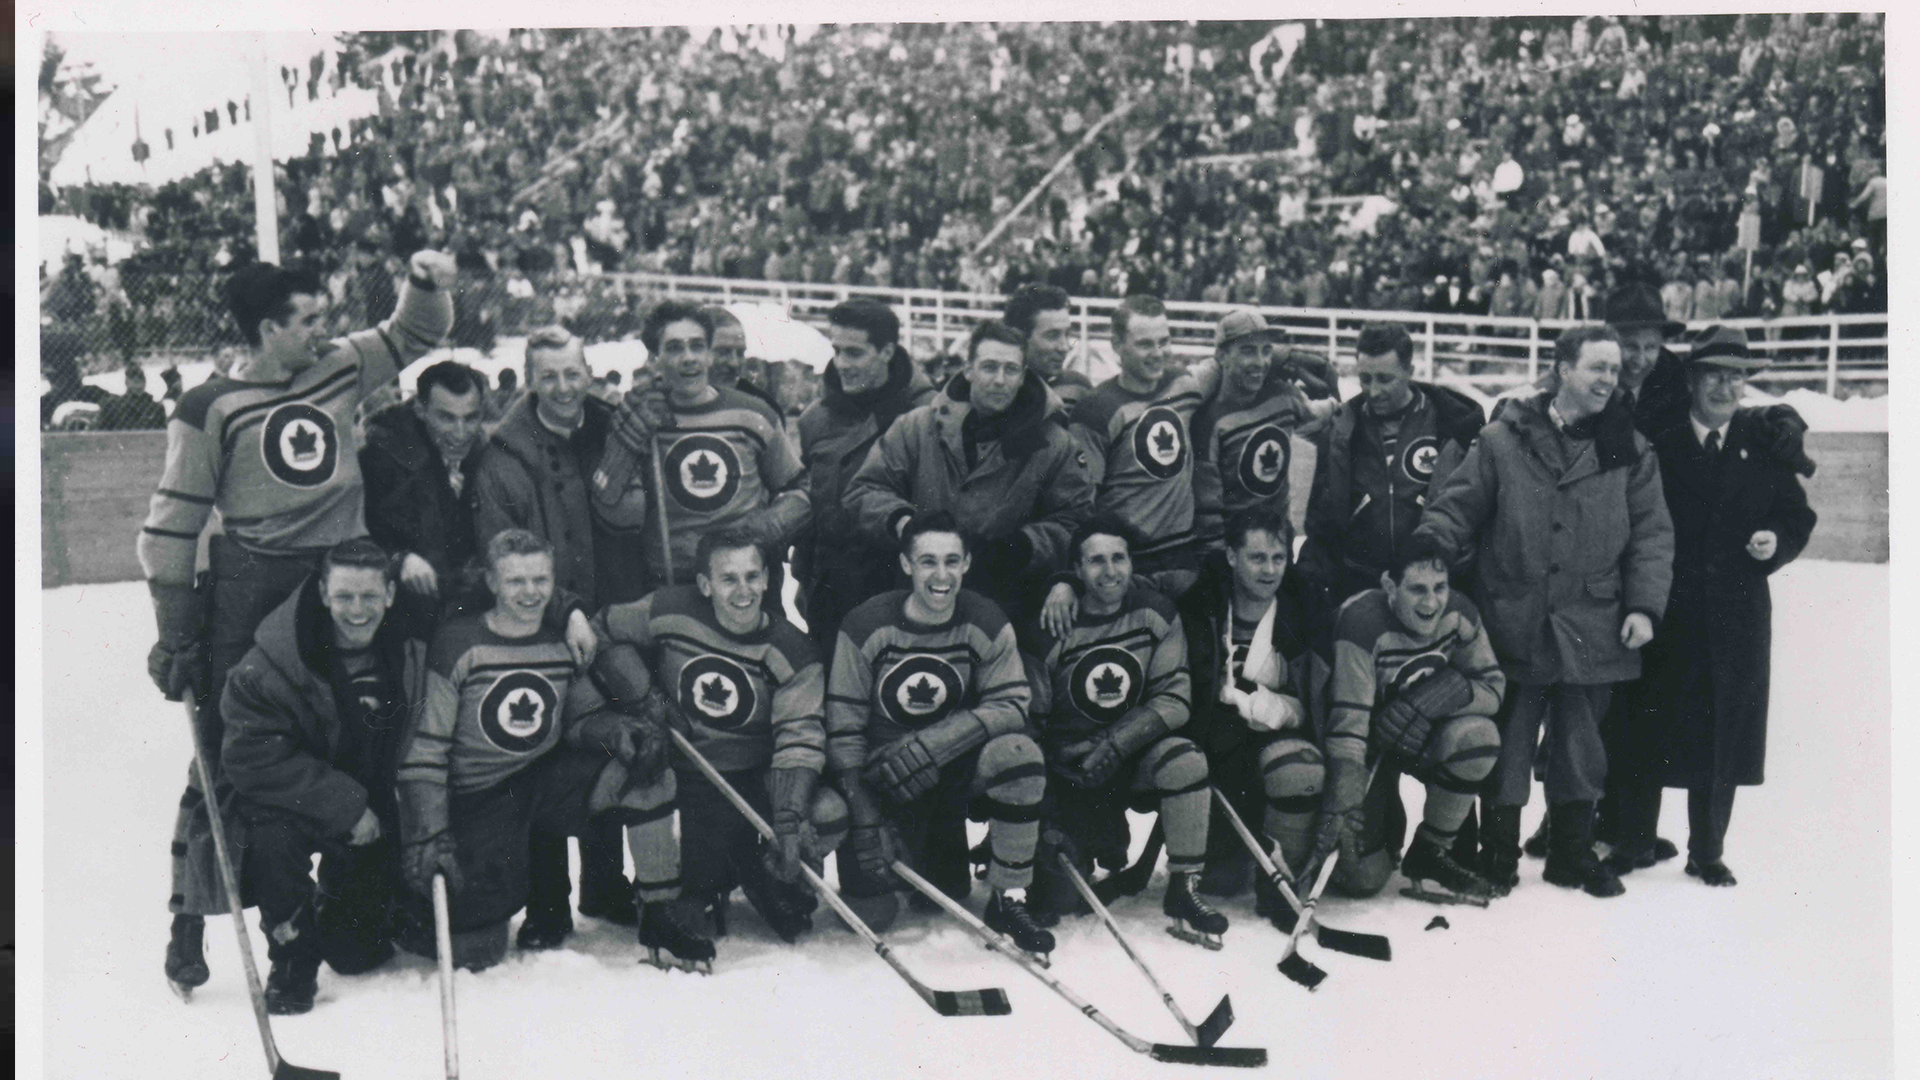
(1483, 349)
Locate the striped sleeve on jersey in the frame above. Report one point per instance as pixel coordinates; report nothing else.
(428, 755)
(1474, 657)
(1357, 631)
(421, 317)
(799, 725)
(1000, 676)
(848, 697)
(1169, 686)
(189, 482)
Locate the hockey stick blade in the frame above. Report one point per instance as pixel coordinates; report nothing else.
(1233, 1057)
(1301, 970)
(1216, 1023)
(289, 1071)
(1353, 943)
(971, 1002)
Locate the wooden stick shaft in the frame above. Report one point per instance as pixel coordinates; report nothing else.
(443, 939)
(1086, 893)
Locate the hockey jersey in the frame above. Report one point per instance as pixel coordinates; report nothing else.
(1140, 452)
(1376, 658)
(278, 460)
(721, 461)
(493, 706)
(1108, 665)
(752, 700)
(892, 676)
(1242, 456)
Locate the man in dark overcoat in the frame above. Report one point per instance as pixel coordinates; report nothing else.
(1698, 717)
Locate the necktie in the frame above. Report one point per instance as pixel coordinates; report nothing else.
(1713, 445)
(454, 477)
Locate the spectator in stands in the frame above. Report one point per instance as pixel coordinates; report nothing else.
(60, 352)
(1799, 293)
(501, 398)
(134, 410)
(418, 462)
(1676, 296)
(170, 375)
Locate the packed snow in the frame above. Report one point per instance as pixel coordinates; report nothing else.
(1787, 975)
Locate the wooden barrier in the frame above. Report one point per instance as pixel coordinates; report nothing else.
(95, 488)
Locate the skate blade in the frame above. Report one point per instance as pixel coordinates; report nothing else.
(1201, 938)
(1045, 960)
(669, 962)
(181, 990)
(1438, 896)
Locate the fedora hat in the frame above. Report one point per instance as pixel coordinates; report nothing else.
(1245, 322)
(1639, 304)
(1725, 346)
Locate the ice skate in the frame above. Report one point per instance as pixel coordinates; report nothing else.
(292, 984)
(186, 956)
(785, 907)
(541, 931)
(1433, 875)
(1192, 919)
(671, 941)
(1008, 914)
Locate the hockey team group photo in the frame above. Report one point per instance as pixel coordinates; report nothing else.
(1347, 546)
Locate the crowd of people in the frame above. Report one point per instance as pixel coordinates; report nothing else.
(433, 654)
(1519, 167)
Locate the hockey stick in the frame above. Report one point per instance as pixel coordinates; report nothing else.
(443, 944)
(660, 497)
(1210, 1029)
(1240, 1057)
(1353, 943)
(989, 1002)
(1130, 881)
(282, 1068)
(1293, 965)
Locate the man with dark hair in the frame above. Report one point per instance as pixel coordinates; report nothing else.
(314, 714)
(510, 740)
(747, 690)
(553, 468)
(272, 454)
(1041, 313)
(1258, 695)
(926, 727)
(870, 383)
(731, 364)
(1109, 697)
(1243, 439)
(724, 455)
(985, 450)
(418, 459)
(1376, 463)
(1568, 605)
(134, 410)
(1414, 681)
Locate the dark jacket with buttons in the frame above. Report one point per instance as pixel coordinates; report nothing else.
(411, 506)
(1573, 534)
(531, 478)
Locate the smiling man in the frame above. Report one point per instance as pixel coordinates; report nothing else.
(986, 451)
(418, 461)
(1041, 313)
(747, 690)
(273, 453)
(926, 728)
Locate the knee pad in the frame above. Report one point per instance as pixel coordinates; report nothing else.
(1292, 773)
(830, 823)
(1174, 766)
(1364, 876)
(1461, 754)
(1011, 773)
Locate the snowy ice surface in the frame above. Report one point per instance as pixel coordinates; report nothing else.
(1787, 975)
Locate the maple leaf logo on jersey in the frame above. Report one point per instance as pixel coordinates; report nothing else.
(305, 441)
(922, 692)
(1262, 468)
(1108, 682)
(1160, 442)
(523, 709)
(1163, 440)
(517, 712)
(704, 469)
(1269, 458)
(299, 446)
(1418, 459)
(714, 692)
(1105, 682)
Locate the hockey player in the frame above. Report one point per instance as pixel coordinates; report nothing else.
(1041, 313)
(1414, 679)
(926, 726)
(510, 739)
(747, 691)
(724, 454)
(1108, 697)
(274, 454)
(1243, 439)
(314, 716)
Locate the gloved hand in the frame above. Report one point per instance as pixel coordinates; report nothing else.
(1342, 817)
(633, 427)
(638, 742)
(903, 770)
(180, 662)
(876, 847)
(421, 860)
(790, 792)
(1311, 373)
(1405, 723)
(1789, 432)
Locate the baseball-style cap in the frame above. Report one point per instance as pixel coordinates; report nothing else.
(1638, 304)
(1725, 346)
(1235, 325)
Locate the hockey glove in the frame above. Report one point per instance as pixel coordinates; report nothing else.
(633, 428)
(434, 855)
(180, 662)
(1342, 816)
(1311, 373)
(790, 792)
(908, 768)
(1789, 432)
(876, 847)
(1125, 737)
(1404, 724)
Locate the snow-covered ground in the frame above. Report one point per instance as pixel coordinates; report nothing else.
(1787, 975)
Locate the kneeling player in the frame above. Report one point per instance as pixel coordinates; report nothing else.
(1108, 695)
(1414, 676)
(926, 727)
(510, 740)
(747, 692)
(313, 719)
